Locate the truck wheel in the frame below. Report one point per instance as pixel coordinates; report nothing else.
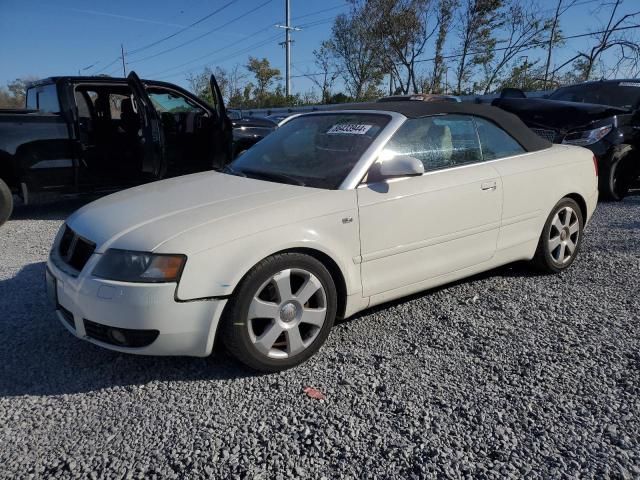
(617, 177)
(6, 202)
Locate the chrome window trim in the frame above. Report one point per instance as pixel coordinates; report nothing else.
(457, 167)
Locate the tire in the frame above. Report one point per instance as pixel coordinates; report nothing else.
(269, 328)
(618, 177)
(6, 202)
(563, 229)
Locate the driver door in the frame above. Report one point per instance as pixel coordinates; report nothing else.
(416, 229)
(151, 134)
(222, 134)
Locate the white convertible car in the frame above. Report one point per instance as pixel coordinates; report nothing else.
(333, 213)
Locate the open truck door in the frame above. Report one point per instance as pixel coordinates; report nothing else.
(222, 130)
(151, 135)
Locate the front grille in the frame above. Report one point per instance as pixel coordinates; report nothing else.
(74, 250)
(545, 133)
(67, 316)
(121, 337)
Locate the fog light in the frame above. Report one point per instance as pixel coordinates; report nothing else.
(118, 336)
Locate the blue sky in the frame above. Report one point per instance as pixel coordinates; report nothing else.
(43, 38)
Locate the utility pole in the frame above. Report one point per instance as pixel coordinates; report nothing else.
(124, 69)
(552, 38)
(523, 82)
(287, 45)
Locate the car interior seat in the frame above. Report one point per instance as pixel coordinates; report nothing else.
(129, 118)
(439, 146)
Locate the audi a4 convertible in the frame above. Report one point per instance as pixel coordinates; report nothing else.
(332, 213)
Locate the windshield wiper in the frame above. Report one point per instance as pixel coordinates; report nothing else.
(281, 177)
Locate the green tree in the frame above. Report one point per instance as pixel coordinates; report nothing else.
(528, 76)
(13, 96)
(264, 75)
(358, 51)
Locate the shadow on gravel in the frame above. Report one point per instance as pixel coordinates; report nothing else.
(39, 357)
(58, 210)
(517, 269)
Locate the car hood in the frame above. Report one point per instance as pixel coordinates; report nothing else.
(563, 116)
(145, 217)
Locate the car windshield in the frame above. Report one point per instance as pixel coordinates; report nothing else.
(622, 94)
(314, 150)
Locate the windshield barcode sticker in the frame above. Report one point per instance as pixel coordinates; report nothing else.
(629, 84)
(349, 129)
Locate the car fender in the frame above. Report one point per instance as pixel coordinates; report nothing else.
(216, 271)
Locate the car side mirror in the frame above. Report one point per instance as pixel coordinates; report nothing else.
(400, 166)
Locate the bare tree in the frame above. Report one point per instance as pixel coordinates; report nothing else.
(613, 35)
(445, 16)
(523, 27)
(327, 71)
(237, 79)
(555, 35)
(227, 81)
(359, 53)
(478, 20)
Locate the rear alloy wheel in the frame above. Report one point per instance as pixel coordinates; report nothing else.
(281, 314)
(6, 202)
(561, 237)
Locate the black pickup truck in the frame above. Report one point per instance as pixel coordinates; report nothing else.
(101, 134)
(603, 116)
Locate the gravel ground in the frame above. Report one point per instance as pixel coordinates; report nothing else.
(505, 375)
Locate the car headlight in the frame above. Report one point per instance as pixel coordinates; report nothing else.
(587, 137)
(130, 266)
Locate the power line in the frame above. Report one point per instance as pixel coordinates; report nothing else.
(222, 59)
(191, 25)
(239, 17)
(206, 17)
(251, 35)
(327, 10)
(230, 56)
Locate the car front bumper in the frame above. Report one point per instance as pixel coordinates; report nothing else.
(146, 315)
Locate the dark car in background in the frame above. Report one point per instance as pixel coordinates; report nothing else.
(421, 97)
(602, 116)
(248, 130)
(101, 134)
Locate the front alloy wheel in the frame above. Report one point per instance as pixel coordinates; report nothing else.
(281, 313)
(287, 313)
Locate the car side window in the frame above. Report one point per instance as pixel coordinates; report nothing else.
(44, 98)
(438, 142)
(170, 102)
(495, 142)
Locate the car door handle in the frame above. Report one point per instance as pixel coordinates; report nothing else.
(489, 186)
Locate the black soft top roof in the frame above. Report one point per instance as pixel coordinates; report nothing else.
(414, 109)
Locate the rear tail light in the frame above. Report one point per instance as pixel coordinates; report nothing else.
(595, 164)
